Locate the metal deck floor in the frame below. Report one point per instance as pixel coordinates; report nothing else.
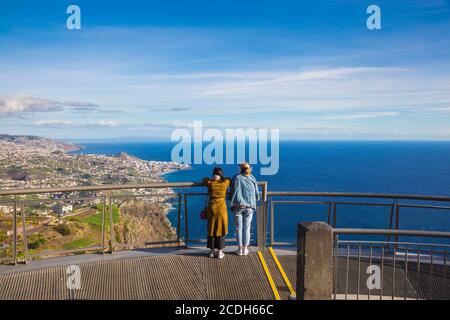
(187, 276)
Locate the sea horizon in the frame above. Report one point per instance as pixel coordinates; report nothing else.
(166, 140)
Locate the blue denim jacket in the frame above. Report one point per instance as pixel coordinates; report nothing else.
(244, 191)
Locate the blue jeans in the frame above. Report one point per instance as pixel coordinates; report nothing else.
(243, 221)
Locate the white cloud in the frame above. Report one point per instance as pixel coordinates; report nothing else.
(106, 123)
(19, 104)
(153, 126)
(53, 123)
(26, 103)
(69, 124)
(365, 115)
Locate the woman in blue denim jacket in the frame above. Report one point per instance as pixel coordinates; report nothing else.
(244, 195)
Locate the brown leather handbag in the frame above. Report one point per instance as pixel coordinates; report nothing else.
(204, 213)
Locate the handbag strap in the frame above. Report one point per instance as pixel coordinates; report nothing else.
(206, 199)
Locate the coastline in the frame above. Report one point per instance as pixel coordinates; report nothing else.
(143, 219)
(167, 206)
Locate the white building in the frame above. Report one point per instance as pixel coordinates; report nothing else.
(6, 209)
(62, 209)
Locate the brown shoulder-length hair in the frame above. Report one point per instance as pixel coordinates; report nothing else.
(218, 171)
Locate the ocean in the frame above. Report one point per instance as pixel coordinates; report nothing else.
(421, 168)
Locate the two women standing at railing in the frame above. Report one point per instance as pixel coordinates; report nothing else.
(244, 195)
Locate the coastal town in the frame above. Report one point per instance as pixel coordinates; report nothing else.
(28, 162)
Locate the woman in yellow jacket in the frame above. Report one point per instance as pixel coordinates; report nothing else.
(217, 212)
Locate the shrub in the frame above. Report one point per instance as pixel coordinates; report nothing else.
(63, 229)
(36, 244)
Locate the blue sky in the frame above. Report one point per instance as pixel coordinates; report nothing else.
(143, 68)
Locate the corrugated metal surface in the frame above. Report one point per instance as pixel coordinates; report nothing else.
(282, 288)
(289, 263)
(171, 276)
(46, 284)
(236, 277)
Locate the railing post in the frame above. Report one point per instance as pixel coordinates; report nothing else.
(111, 226)
(15, 232)
(179, 220)
(186, 224)
(391, 217)
(397, 221)
(314, 261)
(272, 222)
(103, 220)
(264, 192)
(329, 213)
(261, 225)
(24, 231)
(334, 214)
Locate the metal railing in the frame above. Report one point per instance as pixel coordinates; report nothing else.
(104, 193)
(266, 215)
(333, 200)
(390, 269)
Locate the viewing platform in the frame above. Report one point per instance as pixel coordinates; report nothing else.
(182, 270)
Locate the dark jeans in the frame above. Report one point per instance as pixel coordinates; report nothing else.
(216, 243)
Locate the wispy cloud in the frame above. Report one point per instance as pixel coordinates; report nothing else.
(72, 124)
(359, 116)
(169, 109)
(54, 123)
(269, 79)
(443, 109)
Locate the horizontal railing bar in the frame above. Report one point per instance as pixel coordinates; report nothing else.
(329, 202)
(290, 244)
(116, 197)
(365, 204)
(134, 196)
(433, 234)
(163, 242)
(139, 245)
(423, 206)
(61, 252)
(422, 257)
(381, 244)
(201, 193)
(227, 240)
(205, 241)
(357, 195)
(59, 200)
(103, 188)
(109, 187)
(300, 202)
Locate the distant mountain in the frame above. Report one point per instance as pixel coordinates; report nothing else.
(35, 144)
(122, 139)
